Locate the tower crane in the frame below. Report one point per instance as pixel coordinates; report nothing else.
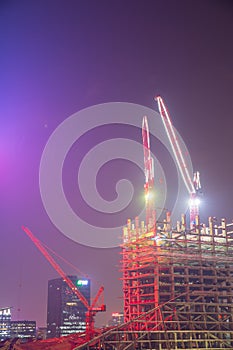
(193, 185)
(91, 309)
(149, 172)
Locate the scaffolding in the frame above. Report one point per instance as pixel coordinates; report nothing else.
(177, 287)
(186, 277)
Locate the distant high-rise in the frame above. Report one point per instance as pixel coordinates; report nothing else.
(117, 319)
(23, 329)
(65, 311)
(5, 323)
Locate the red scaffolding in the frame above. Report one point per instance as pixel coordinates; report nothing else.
(141, 257)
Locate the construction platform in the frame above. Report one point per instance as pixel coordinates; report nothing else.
(186, 277)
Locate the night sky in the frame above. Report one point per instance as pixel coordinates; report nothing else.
(59, 57)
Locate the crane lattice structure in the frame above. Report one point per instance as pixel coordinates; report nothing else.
(193, 185)
(91, 309)
(149, 175)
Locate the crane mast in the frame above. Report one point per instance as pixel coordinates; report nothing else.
(149, 172)
(91, 309)
(194, 199)
(193, 185)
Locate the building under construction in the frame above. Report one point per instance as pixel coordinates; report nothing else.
(178, 284)
(177, 279)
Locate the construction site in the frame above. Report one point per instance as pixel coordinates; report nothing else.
(177, 277)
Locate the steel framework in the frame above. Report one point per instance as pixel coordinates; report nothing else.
(186, 277)
(178, 291)
(193, 186)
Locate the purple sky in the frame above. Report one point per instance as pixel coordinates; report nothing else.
(58, 57)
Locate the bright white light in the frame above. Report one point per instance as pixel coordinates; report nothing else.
(194, 201)
(149, 196)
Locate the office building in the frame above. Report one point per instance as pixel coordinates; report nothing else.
(5, 322)
(65, 312)
(117, 319)
(23, 329)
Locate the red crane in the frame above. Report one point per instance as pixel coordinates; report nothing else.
(149, 172)
(194, 201)
(193, 185)
(91, 309)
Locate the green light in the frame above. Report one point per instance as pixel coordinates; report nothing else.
(82, 282)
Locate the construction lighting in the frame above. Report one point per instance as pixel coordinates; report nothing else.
(149, 196)
(194, 201)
